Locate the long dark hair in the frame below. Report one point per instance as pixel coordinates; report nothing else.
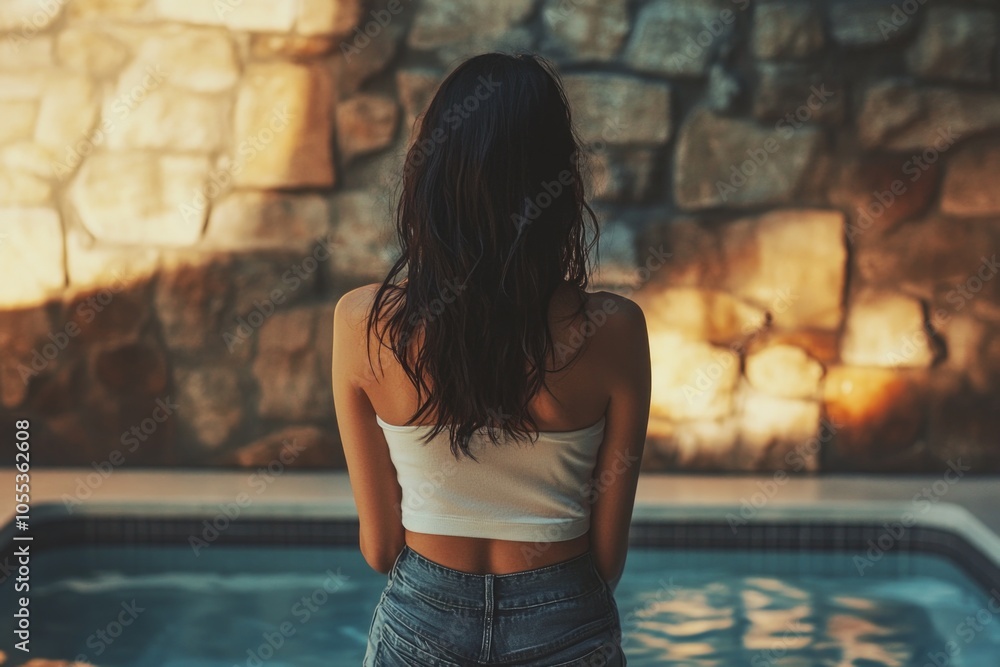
(491, 220)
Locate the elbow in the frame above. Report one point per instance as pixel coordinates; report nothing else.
(613, 582)
(380, 545)
(610, 562)
(611, 576)
(380, 558)
(380, 565)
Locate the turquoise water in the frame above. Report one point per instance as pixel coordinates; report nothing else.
(311, 607)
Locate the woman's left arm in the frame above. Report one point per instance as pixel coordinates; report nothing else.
(376, 490)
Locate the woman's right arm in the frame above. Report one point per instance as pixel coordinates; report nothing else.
(616, 473)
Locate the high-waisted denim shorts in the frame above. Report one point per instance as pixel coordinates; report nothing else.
(561, 615)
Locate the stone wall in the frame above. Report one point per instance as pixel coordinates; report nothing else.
(798, 193)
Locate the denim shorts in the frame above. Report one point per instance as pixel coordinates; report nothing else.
(561, 615)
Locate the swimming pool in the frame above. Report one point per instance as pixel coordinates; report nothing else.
(119, 592)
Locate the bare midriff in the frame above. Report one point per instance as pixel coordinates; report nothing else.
(476, 555)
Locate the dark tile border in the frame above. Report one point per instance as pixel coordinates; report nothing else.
(761, 537)
(856, 538)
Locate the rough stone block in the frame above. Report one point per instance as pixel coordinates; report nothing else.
(791, 262)
(700, 314)
(955, 43)
(786, 30)
(440, 23)
(260, 219)
(738, 163)
(283, 127)
(90, 51)
(692, 380)
(887, 330)
(775, 434)
(679, 37)
(900, 116)
(784, 371)
(294, 385)
(969, 187)
(587, 29)
(31, 254)
(251, 15)
(133, 198)
(69, 109)
(869, 23)
(366, 123)
(210, 403)
(618, 109)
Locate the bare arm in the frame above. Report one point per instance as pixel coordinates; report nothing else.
(616, 473)
(374, 484)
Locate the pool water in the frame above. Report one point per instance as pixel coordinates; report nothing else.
(312, 607)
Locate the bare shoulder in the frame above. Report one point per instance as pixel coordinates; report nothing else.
(622, 313)
(349, 336)
(619, 333)
(352, 308)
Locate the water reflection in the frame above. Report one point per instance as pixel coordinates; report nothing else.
(707, 617)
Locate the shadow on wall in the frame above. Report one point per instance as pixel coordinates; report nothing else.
(222, 360)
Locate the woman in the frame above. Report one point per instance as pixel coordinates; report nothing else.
(492, 411)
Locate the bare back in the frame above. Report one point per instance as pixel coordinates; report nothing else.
(577, 397)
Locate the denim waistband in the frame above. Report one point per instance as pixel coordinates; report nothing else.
(563, 580)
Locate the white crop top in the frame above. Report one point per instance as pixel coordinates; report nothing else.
(522, 491)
